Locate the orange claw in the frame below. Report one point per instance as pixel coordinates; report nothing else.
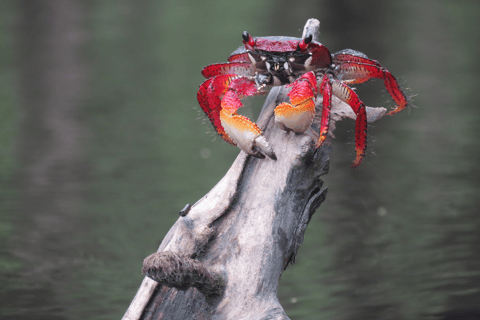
(246, 134)
(298, 116)
(219, 97)
(241, 130)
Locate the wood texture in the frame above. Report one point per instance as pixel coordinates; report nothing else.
(242, 235)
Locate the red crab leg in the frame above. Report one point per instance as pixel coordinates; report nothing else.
(346, 94)
(241, 57)
(326, 91)
(210, 103)
(345, 58)
(237, 68)
(298, 115)
(356, 72)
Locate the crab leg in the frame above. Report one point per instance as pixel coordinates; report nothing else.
(241, 57)
(347, 95)
(326, 91)
(353, 57)
(236, 68)
(298, 115)
(355, 69)
(210, 102)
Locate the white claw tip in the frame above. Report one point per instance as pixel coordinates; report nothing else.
(261, 143)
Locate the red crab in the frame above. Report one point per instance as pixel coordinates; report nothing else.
(303, 64)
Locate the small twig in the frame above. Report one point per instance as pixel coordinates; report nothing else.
(185, 210)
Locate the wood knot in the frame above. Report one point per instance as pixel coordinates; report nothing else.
(181, 272)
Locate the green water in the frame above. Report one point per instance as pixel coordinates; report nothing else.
(102, 143)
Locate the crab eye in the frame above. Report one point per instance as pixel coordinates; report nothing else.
(245, 36)
(302, 45)
(308, 39)
(248, 40)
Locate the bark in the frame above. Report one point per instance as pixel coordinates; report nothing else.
(224, 256)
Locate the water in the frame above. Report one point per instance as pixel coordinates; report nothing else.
(102, 143)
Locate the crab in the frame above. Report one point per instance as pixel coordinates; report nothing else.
(309, 69)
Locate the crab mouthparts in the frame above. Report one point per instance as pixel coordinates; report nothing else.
(280, 70)
(279, 66)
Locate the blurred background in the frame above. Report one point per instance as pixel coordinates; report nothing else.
(102, 142)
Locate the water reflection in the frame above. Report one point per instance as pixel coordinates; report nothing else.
(109, 147)
(51, 158)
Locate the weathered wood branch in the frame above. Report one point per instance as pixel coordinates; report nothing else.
(223, 258)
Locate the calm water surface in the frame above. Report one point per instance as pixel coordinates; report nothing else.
(102, 143)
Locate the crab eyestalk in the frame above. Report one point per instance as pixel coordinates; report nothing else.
(248, 41)
(303, 45)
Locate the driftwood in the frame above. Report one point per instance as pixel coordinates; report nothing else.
(224, 256)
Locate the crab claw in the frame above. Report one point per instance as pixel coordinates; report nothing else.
(298, 116)
(246, 134)
(261, 144)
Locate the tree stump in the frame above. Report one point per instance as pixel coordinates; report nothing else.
(224, 256)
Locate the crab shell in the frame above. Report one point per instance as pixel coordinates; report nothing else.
(286, 53)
